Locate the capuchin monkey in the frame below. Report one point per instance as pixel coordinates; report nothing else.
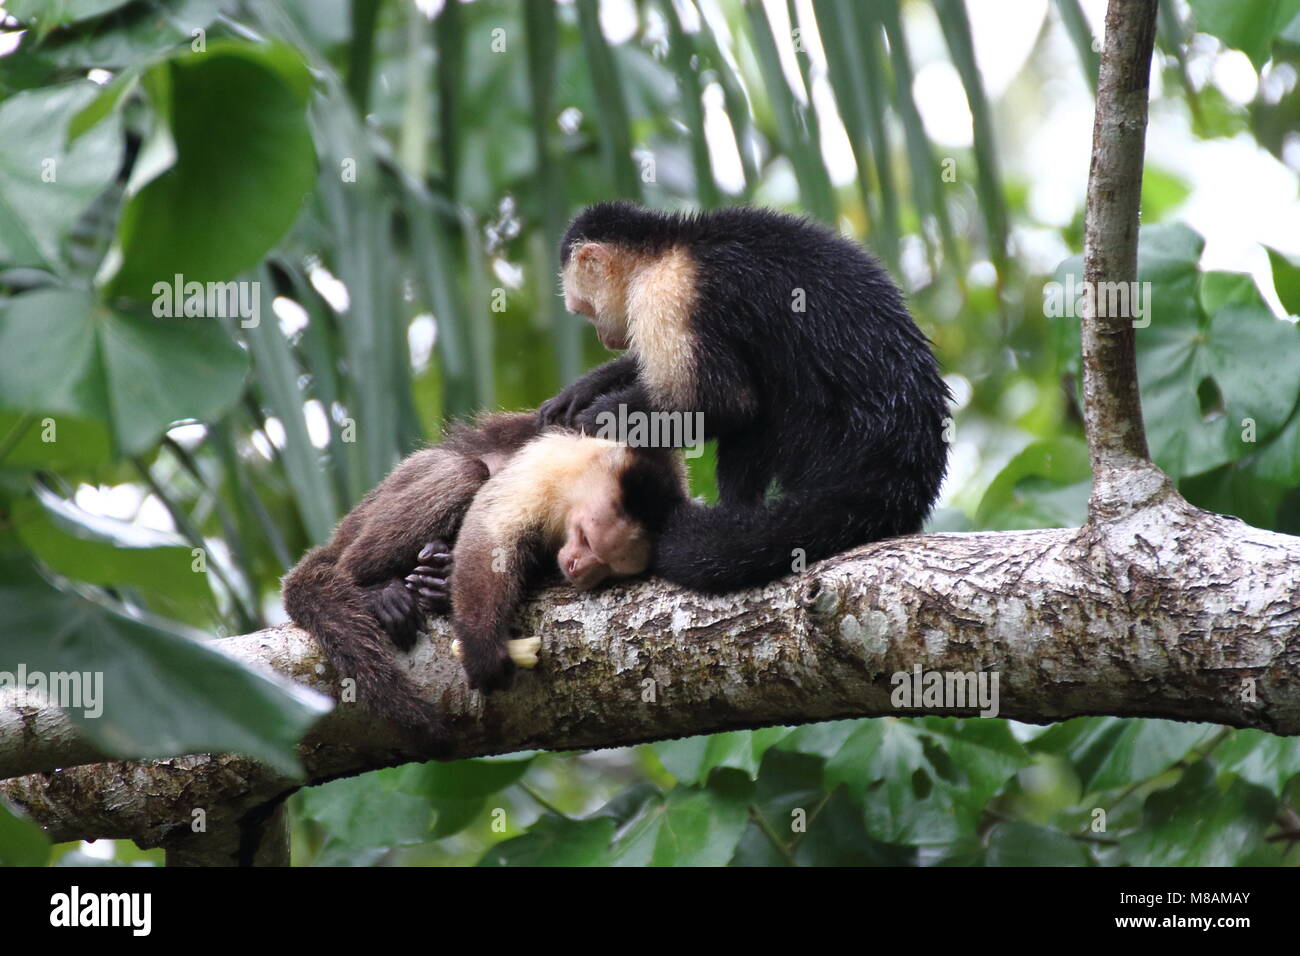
(796, 346)
(390, 561)
(592, 504)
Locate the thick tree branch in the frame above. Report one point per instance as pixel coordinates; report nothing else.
(1112, 406)
(1170, 612)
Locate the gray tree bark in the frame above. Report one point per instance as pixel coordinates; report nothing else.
(1154, 608)
(1167, 612)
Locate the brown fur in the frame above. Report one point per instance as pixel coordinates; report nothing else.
(508, 499)
(526, 514)
(351, 593)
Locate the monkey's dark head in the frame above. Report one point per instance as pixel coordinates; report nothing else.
(618, 221)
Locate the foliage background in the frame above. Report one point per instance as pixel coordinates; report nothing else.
(396, 175)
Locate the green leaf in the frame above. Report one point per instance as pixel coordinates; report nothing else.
(278, 380)
(1203, 382)
(162, 693)
(128, 41)
(369, 810)
(1045, 486)
(692, 759)
(1111, 752)
(699, 828)
(107, 552)
(555, 841)
(1246, 25)
(1026, 844)
(45, 182)
(462, 779)
(1194, 824)
(62, 352)
(55, 13)
(22, 843)
(244, 164)
(1286, 280)
(1260, 758)
(1279, 460)
(29, 442)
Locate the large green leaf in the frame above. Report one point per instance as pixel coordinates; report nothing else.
(244, 165)
(53, 13)
(1193, 823)
(1017, 843)
(370, 810)
(45, 182)
(555, 841)
(22, 843)
(104, 551)
(1204, 378)
(1246, 25)
(164, 693)
(1045, 486)
(125, 41)
(1110, 752)
(692, 759)
(63, 352)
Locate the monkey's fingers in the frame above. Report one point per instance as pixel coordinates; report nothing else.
(435, 550)
(524, 651)
(426, 577)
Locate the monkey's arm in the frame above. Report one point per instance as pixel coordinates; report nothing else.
(489, 573)
(399, 553)
(564, 408)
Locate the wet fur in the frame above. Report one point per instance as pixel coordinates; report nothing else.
(829, 422)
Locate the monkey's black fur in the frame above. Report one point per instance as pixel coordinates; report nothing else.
(829, 421)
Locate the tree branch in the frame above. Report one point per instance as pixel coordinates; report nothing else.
(1171, 612)
(1112, 414)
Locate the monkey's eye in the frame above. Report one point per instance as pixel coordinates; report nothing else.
(582, 538)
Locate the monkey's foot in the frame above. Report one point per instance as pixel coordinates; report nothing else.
(429, 582)
(524, 651)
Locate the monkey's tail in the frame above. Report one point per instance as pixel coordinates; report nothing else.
(330, 609)
(727, 547)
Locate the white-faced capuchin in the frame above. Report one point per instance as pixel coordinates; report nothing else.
(391, 560)
(796, 346)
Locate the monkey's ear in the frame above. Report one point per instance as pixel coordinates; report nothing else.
(592, 254)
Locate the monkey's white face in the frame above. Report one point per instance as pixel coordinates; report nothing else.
(599, 543)
(595, 285)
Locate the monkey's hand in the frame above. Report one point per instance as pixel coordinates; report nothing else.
(604, 411)
(429, 581)
(564, 408)
(398, 611)
(488, 665)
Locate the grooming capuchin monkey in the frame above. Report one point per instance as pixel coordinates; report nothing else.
(796, 346)
(509, 498)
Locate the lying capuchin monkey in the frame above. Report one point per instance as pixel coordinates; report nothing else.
(796, 347)
(468, 525)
